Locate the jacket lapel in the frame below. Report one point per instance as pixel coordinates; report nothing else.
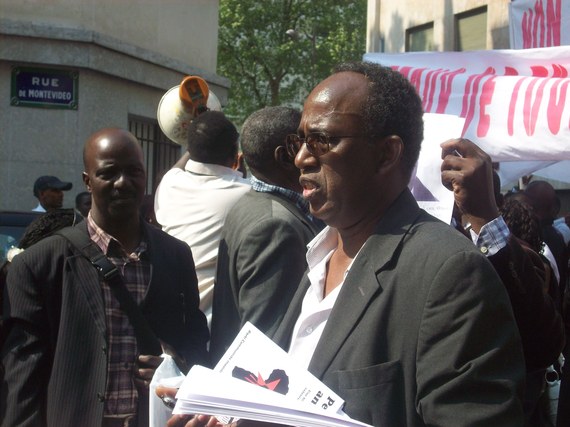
(282, 336)
(361, 284)
(87, 279)
(156, 258)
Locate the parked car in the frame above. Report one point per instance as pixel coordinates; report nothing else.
(12, 227)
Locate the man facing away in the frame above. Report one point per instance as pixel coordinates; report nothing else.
(399, 314)
(261, 258)
(194, 197)
(49, 192)
(70, 355)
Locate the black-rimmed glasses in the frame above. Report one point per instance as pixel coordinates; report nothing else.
(317, 143)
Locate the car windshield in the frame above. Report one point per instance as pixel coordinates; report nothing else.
(9, 238)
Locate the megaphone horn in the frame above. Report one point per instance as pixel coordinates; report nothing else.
(181, 103)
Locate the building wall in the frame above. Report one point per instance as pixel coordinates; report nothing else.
(389, 19)
(184, 30)
(126, 53)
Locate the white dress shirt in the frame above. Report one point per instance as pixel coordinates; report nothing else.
(316, 308)
(39, 208)
(192, 205)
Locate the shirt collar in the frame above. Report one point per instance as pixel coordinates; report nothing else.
(210, 169)
(321, 246)
(263, 187)
(103, 239)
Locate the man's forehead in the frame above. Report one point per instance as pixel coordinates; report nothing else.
(342, 93)
(116, 148)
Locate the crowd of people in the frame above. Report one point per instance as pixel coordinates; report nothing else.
(411, 321)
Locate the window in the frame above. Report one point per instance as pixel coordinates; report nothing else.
(471, 30)
(420, 39)
(159, 152)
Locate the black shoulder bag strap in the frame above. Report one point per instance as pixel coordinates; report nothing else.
(146, 339)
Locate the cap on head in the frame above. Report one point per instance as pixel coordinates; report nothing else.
(47, 182)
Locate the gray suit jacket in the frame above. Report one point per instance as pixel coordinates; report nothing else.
(422, 332)
(55, 353)
(261, 260)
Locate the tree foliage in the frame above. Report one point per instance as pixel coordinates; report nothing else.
(275, 51)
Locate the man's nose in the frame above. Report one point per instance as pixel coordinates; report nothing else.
(122, 180)
(304, 157)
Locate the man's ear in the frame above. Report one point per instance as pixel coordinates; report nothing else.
(390, 150)
(86, 181)
(239, 164)
(282, 158)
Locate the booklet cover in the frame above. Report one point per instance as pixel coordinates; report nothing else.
(205, 391)
(254, 358)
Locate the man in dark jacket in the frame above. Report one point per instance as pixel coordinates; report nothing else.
(70, 355)
(261, 258)
(470, 176)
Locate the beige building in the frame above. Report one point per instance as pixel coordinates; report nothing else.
(437, 25)
(71, 67)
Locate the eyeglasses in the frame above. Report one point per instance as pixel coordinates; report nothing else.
(317, 143)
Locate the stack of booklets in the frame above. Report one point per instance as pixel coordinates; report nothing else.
(257, 380)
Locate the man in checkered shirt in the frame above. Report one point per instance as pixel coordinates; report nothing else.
(71, 355)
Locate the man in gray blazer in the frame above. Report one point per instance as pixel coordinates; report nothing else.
(70, 355)
(261, 257)
(398, 313)
(402, 316)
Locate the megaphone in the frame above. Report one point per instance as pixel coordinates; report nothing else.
(181, 104)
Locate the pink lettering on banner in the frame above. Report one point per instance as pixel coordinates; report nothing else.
(402, 70)
(531, 106)
(512, 106)
(534, 99)
(540, 29)
(544, 90)
(470, 96)
(556, 105)
(486, 98)
(416, 78)
(428, 88)
(446, 85)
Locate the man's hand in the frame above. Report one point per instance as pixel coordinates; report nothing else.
(184, 420)
(468, 172)
(144, 371)
(202, 420)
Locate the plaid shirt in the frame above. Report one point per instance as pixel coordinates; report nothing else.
(298, 199)
(121, 394)
(492, 237)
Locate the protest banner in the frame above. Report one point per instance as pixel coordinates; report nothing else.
(514, 101)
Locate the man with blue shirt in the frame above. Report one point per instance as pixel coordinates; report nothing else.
(261, 258)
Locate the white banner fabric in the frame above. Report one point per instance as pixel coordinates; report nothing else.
(514, 101)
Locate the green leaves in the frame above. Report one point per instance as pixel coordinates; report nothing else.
(266, 66)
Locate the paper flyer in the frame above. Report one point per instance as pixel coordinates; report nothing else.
(254, 358)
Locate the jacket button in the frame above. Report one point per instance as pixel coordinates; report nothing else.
(100, 397)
